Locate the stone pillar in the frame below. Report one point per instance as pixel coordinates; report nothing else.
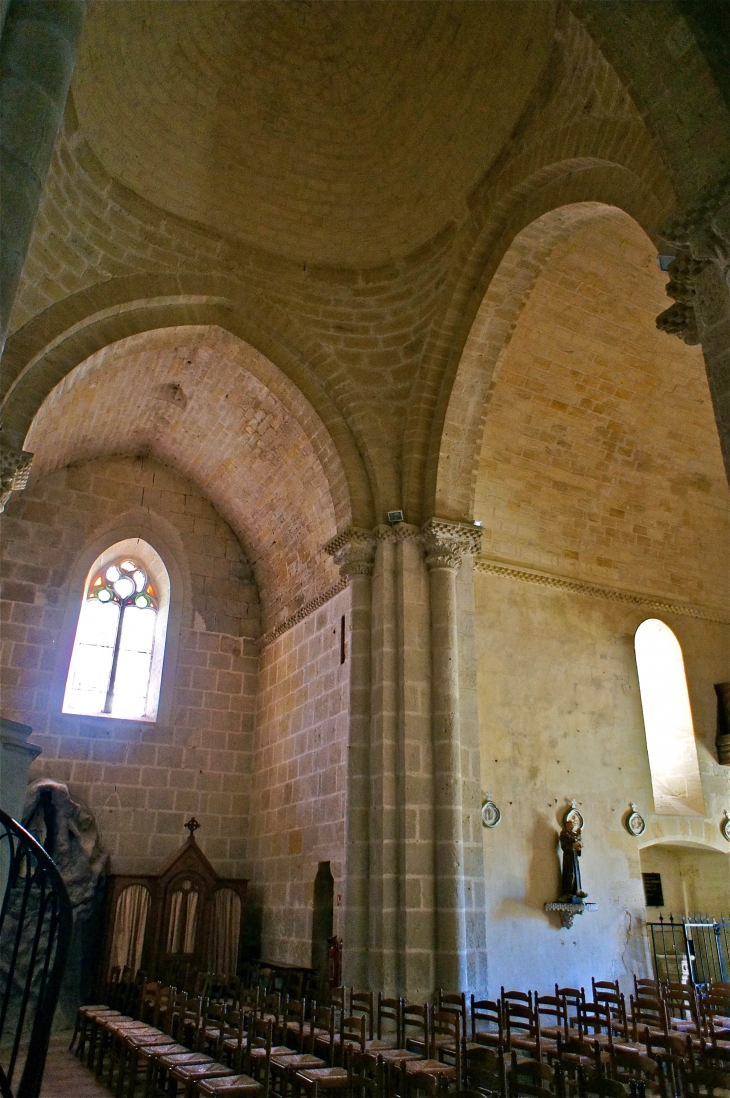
(700, 286)
(354, 551)
(16, 755)
(458, 869)
(37, 55)
(401, 814)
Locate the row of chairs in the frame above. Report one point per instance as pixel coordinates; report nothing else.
(666, 1040)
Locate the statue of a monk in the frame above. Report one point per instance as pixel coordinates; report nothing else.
(571, 845)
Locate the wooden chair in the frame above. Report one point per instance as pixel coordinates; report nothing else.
(530, 1077)
(552, 1016)
(233, 1039)
(361, 1002)
(293, 1024)
(487, 1022)
(260, 1048)
(599, 986)
(445, 1041)
(521, 1028)
(323, 1033)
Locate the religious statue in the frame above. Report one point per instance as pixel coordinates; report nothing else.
(571, 845)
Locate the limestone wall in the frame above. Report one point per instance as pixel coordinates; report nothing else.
(142, 780)
(297, 814)
(561, 717)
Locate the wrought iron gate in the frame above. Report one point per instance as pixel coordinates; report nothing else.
(692, 950)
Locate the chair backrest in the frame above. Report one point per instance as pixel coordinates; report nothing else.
(388, 1019)
(570, 995)
(486, 1017)
(414, 1017)
(517, 997)
(591, 1019)
(530, 1077)
(454, 1001)
(233, 1028)
(519, 1017)
(680, 1001)
(271, 1004)
(353, 1034)
(604, 985)
(446, 1031)
(339, 998)
(550, 1010)
(361, 1002)
(259, 1036)
(293, 1021)
(643, 985)
(322, 1026)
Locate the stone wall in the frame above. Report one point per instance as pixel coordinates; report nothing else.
(561, 717)
(298, 806)
(141, 779)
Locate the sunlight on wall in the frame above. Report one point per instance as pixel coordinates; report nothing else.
(670, 738)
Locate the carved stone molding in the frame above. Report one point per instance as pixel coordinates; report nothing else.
(402, 531)
(700, 236)
(302, 613)
(447, 543)
(354, 551)
(14, 472)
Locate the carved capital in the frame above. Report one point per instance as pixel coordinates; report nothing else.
(447, 543)
(354, 551)
(701, 236)
(14, 472)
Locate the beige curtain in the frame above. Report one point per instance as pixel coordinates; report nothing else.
(130, 922)
(225, 932)
(181, 929)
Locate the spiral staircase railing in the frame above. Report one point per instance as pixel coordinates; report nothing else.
(35, 933)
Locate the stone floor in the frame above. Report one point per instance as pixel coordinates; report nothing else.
(65, 1077)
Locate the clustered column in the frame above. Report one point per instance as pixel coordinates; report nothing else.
(414, 888)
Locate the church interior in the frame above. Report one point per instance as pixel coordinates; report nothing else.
(365, 450)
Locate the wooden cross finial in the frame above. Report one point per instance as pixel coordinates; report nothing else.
(192, 826)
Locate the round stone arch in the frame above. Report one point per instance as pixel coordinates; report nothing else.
(469, 382)
(41, 354)
(162, 536)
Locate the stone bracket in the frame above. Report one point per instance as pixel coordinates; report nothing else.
(568, 911)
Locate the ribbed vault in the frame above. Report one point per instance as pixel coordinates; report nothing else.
(191, 397)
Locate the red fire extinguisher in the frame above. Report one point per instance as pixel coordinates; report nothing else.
(334, 961)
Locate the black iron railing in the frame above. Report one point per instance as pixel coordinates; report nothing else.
(691, 950)
(35, 933)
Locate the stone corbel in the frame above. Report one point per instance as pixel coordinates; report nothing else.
(447, 543)
(700, 236)
(353, 551)
(14, 472)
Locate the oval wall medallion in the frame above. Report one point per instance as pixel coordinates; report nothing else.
(635, 823)
(490, 813)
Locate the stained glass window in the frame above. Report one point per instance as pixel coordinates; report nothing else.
(112, 655)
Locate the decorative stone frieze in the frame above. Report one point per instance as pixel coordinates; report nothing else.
(354, 551)
(447, 543)
(14, 472)
(700, 236)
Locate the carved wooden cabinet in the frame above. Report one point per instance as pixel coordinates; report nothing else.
(185, 914)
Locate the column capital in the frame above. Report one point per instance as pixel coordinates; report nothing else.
(447, 543)
(701, 236)
(14, 472)
(354, 551)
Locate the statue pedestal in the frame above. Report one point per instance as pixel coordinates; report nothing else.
(17, 755)
(567, 911)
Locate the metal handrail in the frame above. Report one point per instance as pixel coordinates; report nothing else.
(35, 933)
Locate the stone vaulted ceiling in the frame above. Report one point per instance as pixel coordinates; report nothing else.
(336, 133)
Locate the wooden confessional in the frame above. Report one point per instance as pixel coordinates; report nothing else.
(185, 915)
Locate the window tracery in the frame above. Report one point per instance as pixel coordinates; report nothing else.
(116, 637)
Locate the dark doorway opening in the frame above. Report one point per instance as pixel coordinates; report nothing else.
(322, 925)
